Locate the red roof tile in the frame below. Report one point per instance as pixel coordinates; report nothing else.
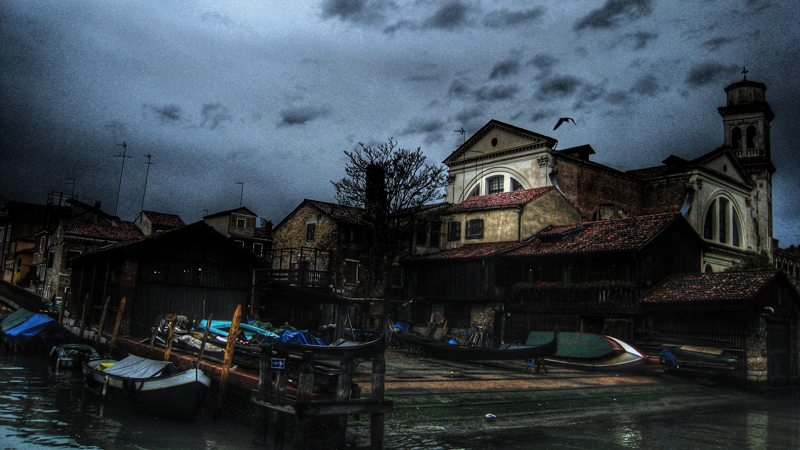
(502, 200)
(341, 213)
(123, 232)
(706, 287)
(164, 220)
(469, 251)
(627, 234)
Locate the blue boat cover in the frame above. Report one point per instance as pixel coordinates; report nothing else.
(17, 317)
(35, 324)
(136, 367)
(297, 337)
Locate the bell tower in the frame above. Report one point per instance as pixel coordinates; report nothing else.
(746, 119)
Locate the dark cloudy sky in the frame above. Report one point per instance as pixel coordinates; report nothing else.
(270, 94)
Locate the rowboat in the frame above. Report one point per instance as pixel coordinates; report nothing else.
(589, 351)
(73, 355)
(441, 350)
(340, 347)
(148, 386)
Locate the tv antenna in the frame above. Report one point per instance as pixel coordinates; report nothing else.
(241, 194)
(146, 173)
(72, 182)
(123, 156)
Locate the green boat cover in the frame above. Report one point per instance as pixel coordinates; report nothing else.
(575, 345)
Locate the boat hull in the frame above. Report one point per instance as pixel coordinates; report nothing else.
(177, 396)
(436, 349)
(334, 351)
(629, 358)
(73, 355)
(578, 346)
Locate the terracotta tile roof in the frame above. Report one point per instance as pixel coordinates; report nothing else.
(502, 200)
(627, 234)
(164, 220)
(707, 287)
(124, 232)
(340, 213)
(468, 251)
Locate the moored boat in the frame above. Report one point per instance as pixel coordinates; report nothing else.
(73, 355)
(148, 386)
(441, 350)
(340, 347)
(589, 351)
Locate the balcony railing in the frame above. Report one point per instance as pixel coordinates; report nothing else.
(301, 277)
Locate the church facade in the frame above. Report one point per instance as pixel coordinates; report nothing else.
(725, 194)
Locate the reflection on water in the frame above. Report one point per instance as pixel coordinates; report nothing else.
(42, 407)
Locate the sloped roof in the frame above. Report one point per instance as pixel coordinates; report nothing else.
(710, 287)
(338, 212)
(164, 220)
(468, 251)
(536, 138)
(675, 165)
(501, 200)
(123, 232)
(241, 210)
(628, 234)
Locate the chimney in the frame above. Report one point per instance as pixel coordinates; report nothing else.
(97, 204)
(375, 207)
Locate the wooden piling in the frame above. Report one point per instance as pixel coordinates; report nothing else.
(116, 325)
(226, 365)
(262, 419)
(100, 325)
(376, 420)
(170, 335)
(83, 318)
(343, 388)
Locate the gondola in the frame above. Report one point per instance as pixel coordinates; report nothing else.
(441, 350)
(589, 351)
(340, 347)
(148, 386)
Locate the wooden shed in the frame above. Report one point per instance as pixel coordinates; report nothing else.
(192, 271)
(753, 314)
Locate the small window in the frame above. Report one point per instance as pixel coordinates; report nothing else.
(436, 231)
(311, 230)
(752, 137)
(516, 185)
(258, 249)
(241, 223)
(474, 229)
(422, 234)
(50, 259)
(350, 272)
(72, 254)
(19, 264)
(736, 138)
(495, 184)
(475, 192)
(458, 315)
(453, 231)
(240, 244)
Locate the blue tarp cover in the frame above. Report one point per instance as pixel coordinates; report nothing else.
(35, 324)
(16, 318)
(297, 337)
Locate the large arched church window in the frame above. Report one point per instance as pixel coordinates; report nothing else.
(722, 223)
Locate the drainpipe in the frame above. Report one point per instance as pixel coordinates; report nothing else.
(519, 224)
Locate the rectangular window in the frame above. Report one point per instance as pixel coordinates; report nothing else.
(258, 249)
(458, 315)
(350, 272)
(50, 258)
(453, 231)
(474, 229)
(436, 231)
(422, 234)
(239, 243)
(495, 184)
(19, 265)
(2, 234)
(241, 223)
(311, 230)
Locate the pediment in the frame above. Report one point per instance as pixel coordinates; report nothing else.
(498, 137)
(726, 164)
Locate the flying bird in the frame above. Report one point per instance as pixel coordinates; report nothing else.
(564, 119)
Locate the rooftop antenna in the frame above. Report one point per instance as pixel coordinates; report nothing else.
(72, 182)
(242, 193)
(744, 72)
(205, 212)
(124, 156)
(146, 173)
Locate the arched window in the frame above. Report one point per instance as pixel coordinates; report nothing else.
(752, 137)
(516, 185)
(722, 223)
(494, 185)
(475, 192)
(709, 269)
(736, 138)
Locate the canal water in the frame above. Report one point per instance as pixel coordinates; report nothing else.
(42, 407)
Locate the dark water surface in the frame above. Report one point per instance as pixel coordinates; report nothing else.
(42, 407)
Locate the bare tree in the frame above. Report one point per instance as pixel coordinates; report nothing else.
(408, 184)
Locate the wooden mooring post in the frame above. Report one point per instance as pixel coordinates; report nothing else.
(320, 421)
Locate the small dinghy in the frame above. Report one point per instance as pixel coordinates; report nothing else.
(148, 386)
(73, 355)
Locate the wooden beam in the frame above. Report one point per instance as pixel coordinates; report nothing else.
(100, 325)
(226, 365)
(116, 324)
(170, 336)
